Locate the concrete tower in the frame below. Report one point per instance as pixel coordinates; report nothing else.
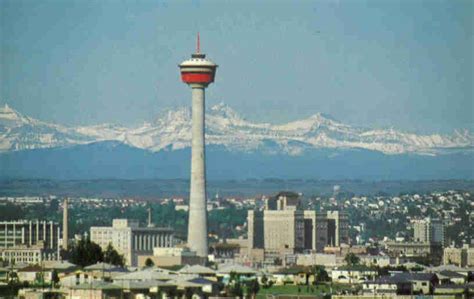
(65, 226)
(198, 72)
(150, 222)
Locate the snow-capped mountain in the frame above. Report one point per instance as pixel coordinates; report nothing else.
(225, 127)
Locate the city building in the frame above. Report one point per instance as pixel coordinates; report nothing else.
(172, 256)
(428, 230)
(131, 240)
(23, 254)
(470, 257)
(198, 72)
(283, 231)
(455, 256)
(279, 228)
(35, 240)
(460, 257)
(415, 250)
(255, 229)
(337, 228)
(315, 231)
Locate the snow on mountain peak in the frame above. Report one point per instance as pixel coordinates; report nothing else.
(223, 110)
(10, 117)
(225, 127)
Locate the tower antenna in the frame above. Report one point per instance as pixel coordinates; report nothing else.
(198, 46)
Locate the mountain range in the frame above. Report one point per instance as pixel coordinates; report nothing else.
(317, 146)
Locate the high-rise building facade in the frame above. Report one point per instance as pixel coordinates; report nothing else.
(283, 228)
(337, 228)
(316, 231)
(428, 231)
(131, 240)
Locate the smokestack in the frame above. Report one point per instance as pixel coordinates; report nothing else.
(150, 224)
(65, 226)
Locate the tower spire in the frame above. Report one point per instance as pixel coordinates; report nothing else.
(198, 44)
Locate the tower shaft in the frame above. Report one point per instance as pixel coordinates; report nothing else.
(197, 227)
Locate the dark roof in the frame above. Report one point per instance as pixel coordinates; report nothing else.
(416, 276)
(31, 268)
(451, 286)
(389, 280)
(451, 274)
(201, 280)
(293, 270)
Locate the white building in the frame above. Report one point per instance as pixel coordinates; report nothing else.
(131, 240)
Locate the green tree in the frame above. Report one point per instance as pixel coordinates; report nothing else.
(39, 278)
(234, 287)
(320, 273)
(12, 277)
(54, 278)
(149, 262)
(86, 253)
(111, 256)
(252, 287)
(351, 259)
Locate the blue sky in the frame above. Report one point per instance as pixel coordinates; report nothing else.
(406, 64)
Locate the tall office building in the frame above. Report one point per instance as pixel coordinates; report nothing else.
(255, 229)
(283, 231)
(282, 227)
(337, 228)
(316, 231)
(131, 240)
(429, 231)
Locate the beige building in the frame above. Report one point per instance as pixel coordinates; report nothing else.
(131, 240)
(165, 257)
(461, 257)
(23, 254)
(414, 249)
(282, 228)
(337, 228)
(276, 231)
(455, 256)
(470, 257)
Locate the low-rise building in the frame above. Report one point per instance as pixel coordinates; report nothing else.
(353, 274)
(165, 257)
(387, 285)
(455, 256)
(131, 240)
(34, 254)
